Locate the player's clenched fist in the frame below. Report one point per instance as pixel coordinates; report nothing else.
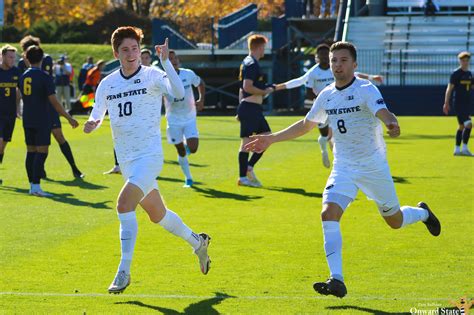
(90, 125)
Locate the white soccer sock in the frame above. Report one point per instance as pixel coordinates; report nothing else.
(183, 162)
(173, 224)
(413, 214)
(128, 236)
(333, 248)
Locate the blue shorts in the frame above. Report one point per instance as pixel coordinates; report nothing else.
(7, 125)
(37, 136)
(252, 121)
(55, 121)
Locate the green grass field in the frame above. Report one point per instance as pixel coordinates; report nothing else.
(58, 255)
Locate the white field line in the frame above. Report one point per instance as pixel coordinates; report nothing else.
(245, 297)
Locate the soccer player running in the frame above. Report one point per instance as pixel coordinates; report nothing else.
(182, 129)
(354, 108)
(145, 61)
(56, 128)
(133, 97)
(461, 82)
(253, 89)
(315, 80)
(37, 89)
(9, 97)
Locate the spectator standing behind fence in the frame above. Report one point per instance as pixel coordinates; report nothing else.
(61, 79)
(430, 8)
(83, 73)
(93, 78)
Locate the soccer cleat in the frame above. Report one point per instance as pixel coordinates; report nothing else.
(201, 252)
(188, 183)
(331, 287)
(114, 170)
(40, 193)
(465, 152)
(432, 223)
(77, 173)
(253, 178)
(246, 182)
(121, 281)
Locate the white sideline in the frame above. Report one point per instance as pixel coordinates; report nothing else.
(261, 297)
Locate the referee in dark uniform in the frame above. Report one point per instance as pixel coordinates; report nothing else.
(253, 89)
(38, 93)
(9, 98)
(461, 82)
(56, 128)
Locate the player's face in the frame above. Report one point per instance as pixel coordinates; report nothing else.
(129, 54)
(174, 60)
(342, 65)
(146, 59)
(464, 63)
(322, 57)
(9, 59)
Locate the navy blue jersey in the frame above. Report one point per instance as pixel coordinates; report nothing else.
(36, 86)
(8, 84)
(46, 65)
(462, 81)
(250, 70)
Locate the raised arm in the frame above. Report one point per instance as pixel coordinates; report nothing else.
(176, 87)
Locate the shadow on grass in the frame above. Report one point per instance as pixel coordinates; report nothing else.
(363, 309)
(426, 137)
(298, 191)
(63, 198)
(400, 180)
(202, 307)
(79, 182)
(175, 180)
(214, 193)
(190, 164)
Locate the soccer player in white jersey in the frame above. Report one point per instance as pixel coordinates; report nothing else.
(354, 108)
(132, 95)
(315, 80)
(181, 116)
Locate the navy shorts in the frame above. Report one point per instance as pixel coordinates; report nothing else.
(7, 125)
(252, 121)
(37, 136)
(55, 121)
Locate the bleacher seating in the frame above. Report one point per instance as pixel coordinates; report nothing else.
(413, 50)
(415, 7)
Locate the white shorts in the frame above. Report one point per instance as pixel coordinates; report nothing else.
(377, 186)
(177, 133)
(142, 172)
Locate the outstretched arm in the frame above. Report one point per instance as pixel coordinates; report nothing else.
(370, 77)
(260, 143)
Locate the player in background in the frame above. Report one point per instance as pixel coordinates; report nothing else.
(145, 61)
(354, 108)
(9, 97)
(461, 82)
(315, 80)
(181, 127)
(37, 89)
(56, 128)
(253, 89)
(132, 96)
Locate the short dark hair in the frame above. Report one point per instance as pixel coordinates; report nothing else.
(28, 41)
(322, 47)
(146, 51)
(125, 32)
(345, 45)
(34, 54)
